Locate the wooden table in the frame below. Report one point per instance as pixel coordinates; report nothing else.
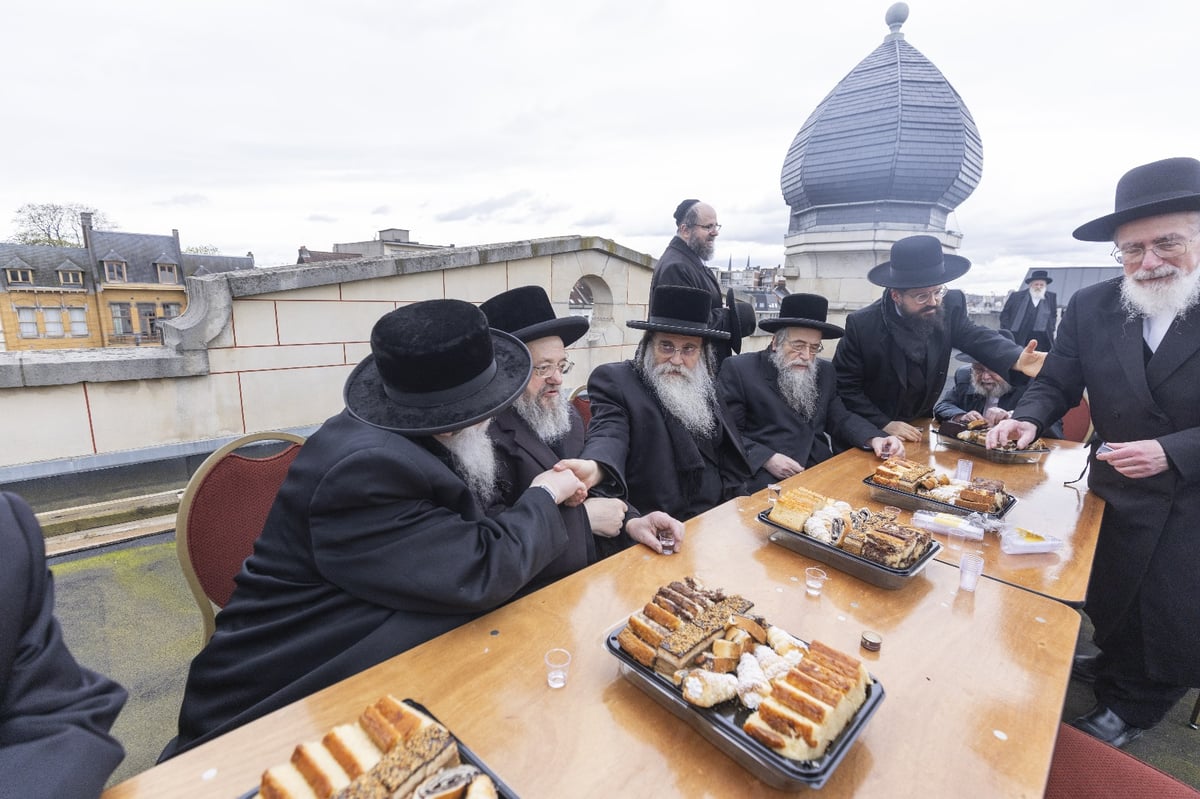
(974, 684)
(1044, 505)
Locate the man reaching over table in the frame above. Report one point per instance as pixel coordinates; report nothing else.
(1134, 344)
(378, 539)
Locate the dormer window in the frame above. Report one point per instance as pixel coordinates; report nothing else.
(114, 271)
(70, 278)
(168, 273)
(19, 276)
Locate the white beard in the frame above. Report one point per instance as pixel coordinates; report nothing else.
(687, 394)
(798, 386)
(999, 390)
(1037, 295)
(548, 424)
(1172, 298)
(475, 461)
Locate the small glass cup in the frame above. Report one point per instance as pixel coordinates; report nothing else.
(814, 580)
(773, 492)
(969, 570)
(667, 539)
(558, 663)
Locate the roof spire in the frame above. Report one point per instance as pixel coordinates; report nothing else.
(896, 16)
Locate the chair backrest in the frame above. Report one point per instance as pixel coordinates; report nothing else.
(1077, 422)
(579, 398)
(1083, 766)
(222, 512)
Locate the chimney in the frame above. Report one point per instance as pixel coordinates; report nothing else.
(85, 224)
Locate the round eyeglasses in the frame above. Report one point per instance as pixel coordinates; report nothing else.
(547, 369)
(925, 296)
(1134, 253)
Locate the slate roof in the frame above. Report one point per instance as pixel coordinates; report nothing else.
(893, 135)
(44, 261)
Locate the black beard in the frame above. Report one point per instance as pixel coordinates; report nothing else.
(701, 246)
(924, 325)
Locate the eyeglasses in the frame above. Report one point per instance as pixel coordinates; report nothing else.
(1134, 253)
(925, 296)
(712, 227)
(547, 369)
(799, 345)
(668, 350)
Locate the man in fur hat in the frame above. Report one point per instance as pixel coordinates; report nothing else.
(1032, 313)
(784, 401)
(892, 364)
(1133, 343)
(378, 539)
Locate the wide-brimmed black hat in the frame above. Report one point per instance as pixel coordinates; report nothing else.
(918, 261)
(434, 367)
(962, 356)
(742, 319)
(1039, 274)
(1162, 187)
(803, 310)
(680, 309)
(526, 312)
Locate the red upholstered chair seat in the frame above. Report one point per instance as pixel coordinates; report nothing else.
(1086, 768)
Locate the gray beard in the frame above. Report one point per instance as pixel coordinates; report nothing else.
(548, 424)
(997, 391)
(1037, 296)
(689, 397)
(702, 247)
(798, 386)
(475, 461)
(1175, 299)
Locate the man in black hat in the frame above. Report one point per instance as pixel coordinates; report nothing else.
(658, 423)
(1032, 312)
(1134, 344)
(784, 401)
(378, 539)
(542, 428)
(892, 364)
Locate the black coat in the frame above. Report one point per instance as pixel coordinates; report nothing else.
(962, 397)
(750, 388)
(653, 454)
(680, 266)
(875, 378)
(55, 715)
(1027, 322)
(374, 545)
(1148, 558)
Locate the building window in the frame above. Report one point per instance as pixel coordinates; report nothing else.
(24, 276)
(70, 278)
(114, 271)
(167, 273)
(27, 319)
(52, 318)
(79, 325)
(122, 317)
(147, 314)
(171, 310)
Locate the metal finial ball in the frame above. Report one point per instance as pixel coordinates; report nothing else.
(896, 16)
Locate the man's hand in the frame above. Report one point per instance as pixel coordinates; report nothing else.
(1023, 432)
(781, 466)
(995, 416)
(902, 430)
(969, 416)
(565, 486)
(589, 472)
(605, 515)
(1029, 362)
(645, 529)
(1136, 459)
(890, 447)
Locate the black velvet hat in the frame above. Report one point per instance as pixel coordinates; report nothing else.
(435, 367)
(1162, 187)
(680, 309)
(803, 310)
(918, 261)
(962, 356)
(1039, 274)
(526, 312)
(743, 320)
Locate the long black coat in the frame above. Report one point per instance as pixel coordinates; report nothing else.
(522, 456)
(1027, 322)
(374, 545)
(962, 397)
(750, 388)
(873, 373)
(657, 459)
(54, 714)
(680, 266)
(1148, 558)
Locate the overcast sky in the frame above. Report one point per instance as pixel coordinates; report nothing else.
(264, 125)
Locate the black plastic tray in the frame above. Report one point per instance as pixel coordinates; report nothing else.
(721, 726)
(856, 566)
(903, 499)
(993, 455)
(464, 754)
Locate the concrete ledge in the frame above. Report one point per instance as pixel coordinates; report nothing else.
(112, 512)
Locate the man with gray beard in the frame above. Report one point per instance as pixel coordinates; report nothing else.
(784, 400)
(1134, 344)
(1032, 313)
(658, 425)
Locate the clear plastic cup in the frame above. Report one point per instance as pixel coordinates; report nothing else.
(969, 569)
(558, 663)
(814, 580)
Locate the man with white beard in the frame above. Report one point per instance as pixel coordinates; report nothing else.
(784, 399)
(379, 538)
(542, 428)
(658, 425)
(1134, 344)
(1032, 313)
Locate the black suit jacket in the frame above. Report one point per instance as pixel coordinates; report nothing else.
(1027, 322)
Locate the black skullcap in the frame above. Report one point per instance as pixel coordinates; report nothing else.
(682, 209)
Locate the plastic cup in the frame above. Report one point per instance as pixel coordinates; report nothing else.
(814, 580)
(955, 539)
(667, 539)
(773, 492)
(558, 663)
(963, 472)
(969, 569)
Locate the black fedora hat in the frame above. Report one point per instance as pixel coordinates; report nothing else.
(1039, 274)
(434, 367)
(680, 309)
(526, 312)
(918, 261)
(803, 310)
(962, 356)
(742, 320)
(1162, 187)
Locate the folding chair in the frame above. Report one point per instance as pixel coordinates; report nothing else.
(579, 398)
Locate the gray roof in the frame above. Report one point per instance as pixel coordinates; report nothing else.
(197, 264)
(1066, 280)
(892, 143)
(46, 262)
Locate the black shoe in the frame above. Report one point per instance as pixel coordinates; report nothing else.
(1102, 723)
(1085, 667)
